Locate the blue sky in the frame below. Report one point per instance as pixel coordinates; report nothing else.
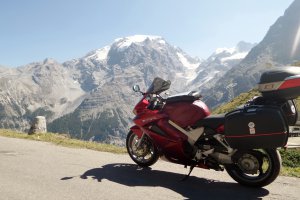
(33, 30)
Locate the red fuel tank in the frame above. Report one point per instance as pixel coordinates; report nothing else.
(186, 113)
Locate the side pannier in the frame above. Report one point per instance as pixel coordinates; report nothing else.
(256, 127)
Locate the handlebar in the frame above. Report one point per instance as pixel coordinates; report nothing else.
(156, 102)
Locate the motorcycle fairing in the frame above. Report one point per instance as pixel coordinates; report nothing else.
(137, 131)
(186, 113)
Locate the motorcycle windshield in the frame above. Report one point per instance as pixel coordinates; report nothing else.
(158, 85)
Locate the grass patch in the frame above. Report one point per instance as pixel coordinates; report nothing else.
(290, 162)
(290, 171)
(290, 158)
(63, 140)
(237, 101)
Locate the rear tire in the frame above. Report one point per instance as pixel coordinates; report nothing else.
(145, 155)
(269, 168)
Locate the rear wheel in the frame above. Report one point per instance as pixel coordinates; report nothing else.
(145, 154)
(256, 168)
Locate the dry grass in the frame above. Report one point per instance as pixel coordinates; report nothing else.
(290, 171)
(64, 140)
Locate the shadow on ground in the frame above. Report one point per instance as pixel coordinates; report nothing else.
(192, 188)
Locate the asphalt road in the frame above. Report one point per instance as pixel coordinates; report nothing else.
(37, 170)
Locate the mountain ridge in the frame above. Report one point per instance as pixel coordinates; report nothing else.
(96, 88)
(274, 50)
(93, 91)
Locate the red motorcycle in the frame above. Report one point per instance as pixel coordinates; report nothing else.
(244, 142)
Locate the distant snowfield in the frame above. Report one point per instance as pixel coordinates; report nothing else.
(221, 50)
(190, 73)
(235, 56)
(99, 54)
(186, 63)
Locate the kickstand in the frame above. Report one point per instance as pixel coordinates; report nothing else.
(188, 175)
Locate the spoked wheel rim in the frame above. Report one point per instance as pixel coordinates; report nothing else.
(260, 162)
(145, 153)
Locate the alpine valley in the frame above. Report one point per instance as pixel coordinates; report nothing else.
(91, 98)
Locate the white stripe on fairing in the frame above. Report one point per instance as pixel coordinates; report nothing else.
(265, 87)
(292, 77)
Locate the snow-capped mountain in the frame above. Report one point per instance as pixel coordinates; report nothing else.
(222, 60)
(91, 97)
(109, 73)
(124, 43)
(149, 53)
(99, 55)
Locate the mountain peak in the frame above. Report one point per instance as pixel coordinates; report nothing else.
(234, 53)
(241, 47)
(121, 44)
(50, 61)
(127, 41)
(99, 54)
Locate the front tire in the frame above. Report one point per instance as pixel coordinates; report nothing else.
(146, 154)
(256, 168)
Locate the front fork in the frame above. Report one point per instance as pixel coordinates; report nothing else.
(136, 130)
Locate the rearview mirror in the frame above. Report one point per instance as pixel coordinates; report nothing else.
(136, 88)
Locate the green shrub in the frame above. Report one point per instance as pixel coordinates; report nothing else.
(290, 157)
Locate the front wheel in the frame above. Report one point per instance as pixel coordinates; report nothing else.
(255, 168)
(145, 154)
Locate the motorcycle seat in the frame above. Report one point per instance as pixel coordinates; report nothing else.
(212, 121)
(190, 97)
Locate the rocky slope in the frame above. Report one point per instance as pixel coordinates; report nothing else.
(42, 88)
(280, 46)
